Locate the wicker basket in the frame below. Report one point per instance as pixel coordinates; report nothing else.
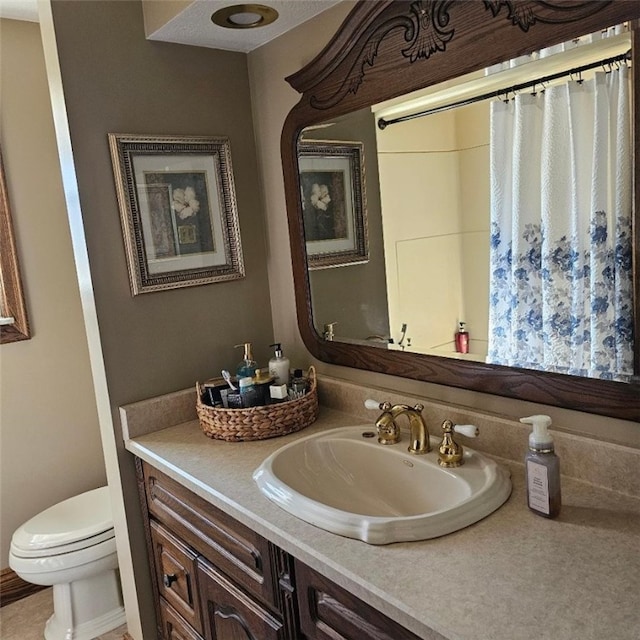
(258, 423)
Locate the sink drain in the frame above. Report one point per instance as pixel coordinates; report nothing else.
(368, 434)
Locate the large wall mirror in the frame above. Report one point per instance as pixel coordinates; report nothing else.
(473, 162)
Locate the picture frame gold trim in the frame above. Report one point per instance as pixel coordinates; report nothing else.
(178, 210)
(333, 195)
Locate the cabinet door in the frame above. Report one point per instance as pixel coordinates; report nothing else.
(328, 612)
(173, 626)
(231, 614)
(176, 574)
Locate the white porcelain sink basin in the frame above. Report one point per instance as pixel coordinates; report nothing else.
(347, 483)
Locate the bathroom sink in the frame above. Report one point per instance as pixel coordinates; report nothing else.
(344, 481)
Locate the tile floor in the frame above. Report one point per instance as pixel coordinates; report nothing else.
(25, 619)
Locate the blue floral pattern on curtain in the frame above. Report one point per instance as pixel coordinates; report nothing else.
(561, 291)
(555, 286)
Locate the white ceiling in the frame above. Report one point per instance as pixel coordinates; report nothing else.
(19, 10)
(193, 25)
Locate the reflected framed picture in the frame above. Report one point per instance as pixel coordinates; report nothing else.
(177, 209)
(332, 190)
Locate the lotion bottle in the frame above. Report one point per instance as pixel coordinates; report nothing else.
(279, 366)
(542, 468)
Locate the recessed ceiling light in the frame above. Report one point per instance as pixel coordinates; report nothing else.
(244, 16)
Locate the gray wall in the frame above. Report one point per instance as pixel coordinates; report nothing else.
(116, 81)
(355, 296)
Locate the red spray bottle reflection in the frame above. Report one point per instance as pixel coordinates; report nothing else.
(462, 339)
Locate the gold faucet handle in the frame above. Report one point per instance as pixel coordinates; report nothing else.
(450, 453)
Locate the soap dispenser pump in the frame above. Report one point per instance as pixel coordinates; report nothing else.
(542, 468)
(247, 367)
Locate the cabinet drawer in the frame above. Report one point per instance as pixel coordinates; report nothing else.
(176, 571)
(328, 612)
(241, 553)
(231, 613)
(173, 626)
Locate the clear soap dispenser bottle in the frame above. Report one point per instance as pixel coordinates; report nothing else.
(542, 468)
(247, 367)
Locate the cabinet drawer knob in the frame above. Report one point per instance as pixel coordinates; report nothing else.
(169, 578)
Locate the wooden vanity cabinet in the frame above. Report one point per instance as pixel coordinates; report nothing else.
(329, 612)
(213, 577)
(239, 552)
(216, 579)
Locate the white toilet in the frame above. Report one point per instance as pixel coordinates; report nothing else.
(71, 546)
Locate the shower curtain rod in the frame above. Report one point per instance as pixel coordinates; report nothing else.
(383, 124)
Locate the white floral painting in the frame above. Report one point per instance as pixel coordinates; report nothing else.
(178, 210)
(332, 193)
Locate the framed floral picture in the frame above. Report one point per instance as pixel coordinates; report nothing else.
(14, 323)
(177, 209)
(332, 189)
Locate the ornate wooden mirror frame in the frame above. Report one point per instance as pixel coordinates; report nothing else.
(388, 48)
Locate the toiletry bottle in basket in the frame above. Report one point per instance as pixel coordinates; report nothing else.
(279, 366)
(247, 366)
(299, 385)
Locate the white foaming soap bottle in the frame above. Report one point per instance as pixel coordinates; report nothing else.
(279, 366)
(542, 468)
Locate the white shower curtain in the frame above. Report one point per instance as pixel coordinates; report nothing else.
(561, 289)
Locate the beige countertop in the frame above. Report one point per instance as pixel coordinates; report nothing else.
(511, 576)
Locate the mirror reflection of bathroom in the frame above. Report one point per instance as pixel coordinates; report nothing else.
(482, 211)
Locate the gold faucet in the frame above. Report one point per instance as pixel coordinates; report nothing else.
(389, 432)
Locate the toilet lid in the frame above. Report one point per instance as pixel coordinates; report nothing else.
(85, 517)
